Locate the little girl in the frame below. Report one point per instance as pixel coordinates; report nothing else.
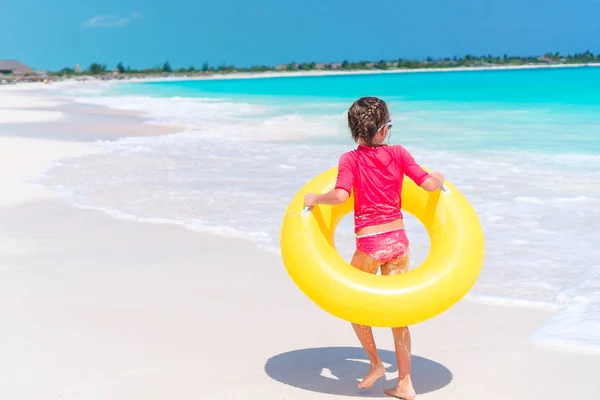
(375, 172)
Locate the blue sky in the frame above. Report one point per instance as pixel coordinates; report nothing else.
(141, 33)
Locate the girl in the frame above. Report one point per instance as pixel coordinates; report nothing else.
(375, 172)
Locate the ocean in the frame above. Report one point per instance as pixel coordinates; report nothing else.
(522, 145)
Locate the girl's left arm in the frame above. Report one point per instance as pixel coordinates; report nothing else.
(332, 198)
(343, 185)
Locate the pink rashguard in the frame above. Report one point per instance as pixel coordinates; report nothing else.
(376, 175)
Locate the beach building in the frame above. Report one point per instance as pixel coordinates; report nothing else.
(14, 67)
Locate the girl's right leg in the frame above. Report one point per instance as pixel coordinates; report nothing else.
(366, 263)
(402, 341)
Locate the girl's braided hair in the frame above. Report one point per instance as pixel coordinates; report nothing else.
(365, 116)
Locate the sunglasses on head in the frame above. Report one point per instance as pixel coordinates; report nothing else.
(389, 123)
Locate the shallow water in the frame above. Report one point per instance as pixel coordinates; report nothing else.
(523, 146)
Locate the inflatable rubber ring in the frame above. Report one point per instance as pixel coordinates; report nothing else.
(451, 268)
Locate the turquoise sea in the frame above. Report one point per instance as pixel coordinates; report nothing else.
(522, 145)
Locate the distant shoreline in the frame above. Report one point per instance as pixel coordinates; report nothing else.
(283, 74)
(216, 75)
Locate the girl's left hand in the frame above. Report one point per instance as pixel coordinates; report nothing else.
(310, 200)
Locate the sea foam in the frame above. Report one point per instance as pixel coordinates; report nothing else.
(237, 164)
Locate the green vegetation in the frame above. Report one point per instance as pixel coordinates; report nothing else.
(97, 69)
(399, 64)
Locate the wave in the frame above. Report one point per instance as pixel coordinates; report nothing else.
(236, 166)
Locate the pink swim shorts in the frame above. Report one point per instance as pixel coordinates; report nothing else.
(384, 247)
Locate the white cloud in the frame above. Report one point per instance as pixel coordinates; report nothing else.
(111, 21)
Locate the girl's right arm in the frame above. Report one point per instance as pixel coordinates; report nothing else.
(428, 181)
(434, 182)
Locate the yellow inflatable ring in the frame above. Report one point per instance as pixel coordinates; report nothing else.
(450, 270)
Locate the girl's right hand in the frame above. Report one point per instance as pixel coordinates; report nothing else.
(438, 176)
(434, 182)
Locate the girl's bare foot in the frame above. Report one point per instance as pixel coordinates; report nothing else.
(404, 390)
(376, 372)
(397, 393)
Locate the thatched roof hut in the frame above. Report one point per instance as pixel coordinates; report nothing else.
(8, 67)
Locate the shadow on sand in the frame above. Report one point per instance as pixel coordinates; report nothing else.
(337, 370)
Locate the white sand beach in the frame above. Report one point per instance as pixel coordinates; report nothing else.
(96, 307)
(216, 75)
(280, 74)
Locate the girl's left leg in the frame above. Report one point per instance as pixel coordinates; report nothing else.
(366, 263)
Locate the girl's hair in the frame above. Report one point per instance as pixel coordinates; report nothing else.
(365, 117)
